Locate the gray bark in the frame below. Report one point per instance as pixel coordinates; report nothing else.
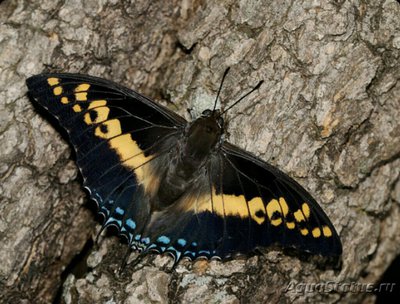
(327, 114)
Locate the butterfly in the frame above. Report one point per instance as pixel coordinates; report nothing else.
(177, 187)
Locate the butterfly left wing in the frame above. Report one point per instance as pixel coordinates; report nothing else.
(119, 137)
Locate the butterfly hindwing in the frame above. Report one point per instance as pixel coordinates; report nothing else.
(116, 134)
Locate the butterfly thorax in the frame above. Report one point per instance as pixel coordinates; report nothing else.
(202, 138)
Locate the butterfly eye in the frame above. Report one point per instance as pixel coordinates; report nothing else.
(207, 113)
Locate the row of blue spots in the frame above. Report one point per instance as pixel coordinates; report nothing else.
(166, 240)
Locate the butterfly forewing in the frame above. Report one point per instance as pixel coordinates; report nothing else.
(116, 134)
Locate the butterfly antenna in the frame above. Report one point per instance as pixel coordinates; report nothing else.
(220, 87)
(241, 98)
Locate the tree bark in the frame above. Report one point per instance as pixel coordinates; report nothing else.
(327, 114)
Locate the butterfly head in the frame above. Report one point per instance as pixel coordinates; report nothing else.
(204, 133)
(214, 115)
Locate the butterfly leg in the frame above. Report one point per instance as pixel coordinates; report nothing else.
(138, 259)
(124, 260)
(96, 241)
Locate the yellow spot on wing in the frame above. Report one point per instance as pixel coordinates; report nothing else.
(57, 90)
(81, 92)
(82, 96)
(316, 232)
(298, 215)
(284, 206)
(290, 225)
(272, 207)
(306, 210)
(326, 231)
(53, 81)
(77, 108)
(102, 115)
(97, 103)
(108, 129)
(64, 100)
(256, 205)
(82, 87)
(304, 231)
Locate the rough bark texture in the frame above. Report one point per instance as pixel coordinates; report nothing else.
(327, 114)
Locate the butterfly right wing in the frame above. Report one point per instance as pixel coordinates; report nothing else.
(279, 211)
(119, 137)
(240, 204)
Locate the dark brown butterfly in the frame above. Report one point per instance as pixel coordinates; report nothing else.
(174, 186)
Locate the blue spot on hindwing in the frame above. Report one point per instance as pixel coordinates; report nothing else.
(131, 224)
(145, 240)
(182, 242)
(119, 211)
(163, 239)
